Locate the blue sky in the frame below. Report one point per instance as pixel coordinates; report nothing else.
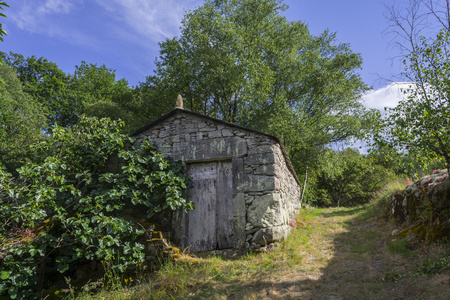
(124, 34)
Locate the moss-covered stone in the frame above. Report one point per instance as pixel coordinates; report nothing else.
(424, 208)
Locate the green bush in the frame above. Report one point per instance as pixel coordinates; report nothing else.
(347, 178)
(66, 205)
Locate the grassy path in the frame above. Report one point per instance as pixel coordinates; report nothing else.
(336, 253)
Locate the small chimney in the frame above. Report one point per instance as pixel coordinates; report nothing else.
(179, 102)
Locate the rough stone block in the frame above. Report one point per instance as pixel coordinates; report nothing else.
(269, 235)
(249, 199)
(207, 129)
(215, 134)
(209, 149)
(266, 211)
(269, 170)
(227, 132)
(256, 183)
(164, 149)
(260, 159)
(175, 138)
(260, 149)
(252, 231)
(201, 124)
(255, 193)
(164, 133)
(277, 183)
(248, 170)
(264, 141)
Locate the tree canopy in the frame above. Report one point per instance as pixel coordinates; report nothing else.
(91, 90)
(47, 84)
(347, 178)
(419, 125)
(21, 119)
(243, 62)
(240, 61)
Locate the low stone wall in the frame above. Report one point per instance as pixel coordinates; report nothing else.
(424, 207)
(266, 192)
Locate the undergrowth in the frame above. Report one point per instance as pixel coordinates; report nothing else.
(200, 276)
(324, 242)
(434, 266)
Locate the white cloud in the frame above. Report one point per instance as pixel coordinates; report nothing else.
(55, 6)
(155, 20)
(387, 96)
(133, 22)
(51, 18)
(33, 16)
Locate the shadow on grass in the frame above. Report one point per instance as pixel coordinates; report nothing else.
(343, 213)
(260, 289)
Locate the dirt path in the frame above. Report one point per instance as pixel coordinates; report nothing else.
(348, 256)
(339, 253)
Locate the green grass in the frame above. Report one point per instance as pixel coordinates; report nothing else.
(199, 277)
(401, 247)
(332, 251)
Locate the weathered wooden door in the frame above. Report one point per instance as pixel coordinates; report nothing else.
(210, 225)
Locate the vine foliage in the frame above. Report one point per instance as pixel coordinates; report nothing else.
(65, 205)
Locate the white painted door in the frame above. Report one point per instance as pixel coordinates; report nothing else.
(209, 225)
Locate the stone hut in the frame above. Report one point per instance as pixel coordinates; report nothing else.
(244, 188)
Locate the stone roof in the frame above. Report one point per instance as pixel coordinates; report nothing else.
(185, 111)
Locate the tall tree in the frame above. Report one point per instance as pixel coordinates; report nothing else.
(419, 125)
(243, 62)
(409, 20)
(21, 119)
(45, 82)
(101, 95)
(91, 90)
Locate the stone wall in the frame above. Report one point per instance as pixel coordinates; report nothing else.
(265, 194)
(422, 209)
(270, 214)
(407, 205)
